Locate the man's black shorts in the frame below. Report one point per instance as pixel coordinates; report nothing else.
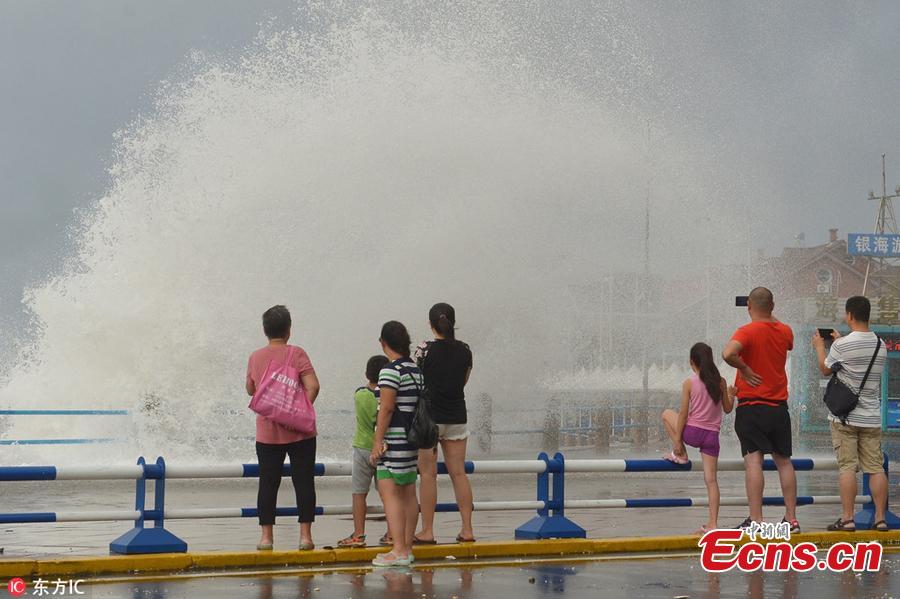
(764, 427)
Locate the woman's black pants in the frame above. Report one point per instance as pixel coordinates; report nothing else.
(271, 463)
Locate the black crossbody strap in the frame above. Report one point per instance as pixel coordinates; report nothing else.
(871, 363)
(415, 382)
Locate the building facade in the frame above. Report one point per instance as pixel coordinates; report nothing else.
(814, 283)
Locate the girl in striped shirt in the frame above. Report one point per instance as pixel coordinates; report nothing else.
(394, 457)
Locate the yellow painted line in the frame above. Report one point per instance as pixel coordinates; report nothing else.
(179, 562)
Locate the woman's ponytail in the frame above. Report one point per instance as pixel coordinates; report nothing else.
(443, 320)
(702, 358)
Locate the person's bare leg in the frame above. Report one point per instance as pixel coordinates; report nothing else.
(396, 515)
(710, 467)
(878, 486)
(306, 533)
(847, 487)
(427, 492)
(754, 483)
(411, 505)
(455, 458)
(268, 535)
(788, 479)
(670, 422)
(387, 531)
(359, 514)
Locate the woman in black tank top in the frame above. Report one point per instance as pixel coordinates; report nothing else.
(446, 364)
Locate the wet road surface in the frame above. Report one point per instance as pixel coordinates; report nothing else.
(650, 577)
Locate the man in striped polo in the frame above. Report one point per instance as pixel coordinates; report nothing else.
(858, 442)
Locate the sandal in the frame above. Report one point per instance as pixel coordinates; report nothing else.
(702, 530)
(353, 541)
(386, 540)
(462, 539)
(881, 526)
(794, 525)
(389, 560)
(306, 546)
(840, 524)
(264, 547)
(676, 459)
(418, 541)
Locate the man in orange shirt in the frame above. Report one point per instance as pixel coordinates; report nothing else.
(758, 351)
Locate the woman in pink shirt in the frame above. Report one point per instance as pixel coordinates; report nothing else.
(704, 397)
(274, 441)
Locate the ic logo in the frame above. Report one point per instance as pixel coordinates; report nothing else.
(16, 587)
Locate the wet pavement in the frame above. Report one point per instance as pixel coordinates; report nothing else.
(649, 577)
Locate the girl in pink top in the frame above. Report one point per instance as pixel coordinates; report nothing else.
(274, 442)
(704, 397)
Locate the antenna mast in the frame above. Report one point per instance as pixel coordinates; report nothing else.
(884, 223)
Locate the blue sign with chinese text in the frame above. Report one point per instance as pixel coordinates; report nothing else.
(873, 244)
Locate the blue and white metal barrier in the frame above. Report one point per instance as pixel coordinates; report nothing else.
(550, 503)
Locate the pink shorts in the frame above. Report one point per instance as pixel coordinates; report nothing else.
(706, 441)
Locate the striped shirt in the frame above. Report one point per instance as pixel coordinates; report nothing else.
(854, 352)
(405, 378)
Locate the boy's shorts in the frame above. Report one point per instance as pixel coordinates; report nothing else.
(361, 471)
(857, 448)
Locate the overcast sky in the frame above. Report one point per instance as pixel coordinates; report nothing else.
(808, 90)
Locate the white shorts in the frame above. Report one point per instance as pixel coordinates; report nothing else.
(452, 432)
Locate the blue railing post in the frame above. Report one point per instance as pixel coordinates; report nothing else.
(551, 522)
(865, 518)
(149, 540)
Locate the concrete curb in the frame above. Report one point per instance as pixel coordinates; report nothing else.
(89, 566)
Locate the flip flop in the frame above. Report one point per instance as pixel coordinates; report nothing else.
(306, 546)
(461, 539)
(840, 524)
(264, 547)
(418, 541)
(675, 459)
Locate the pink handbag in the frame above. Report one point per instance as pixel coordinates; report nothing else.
(282, 399)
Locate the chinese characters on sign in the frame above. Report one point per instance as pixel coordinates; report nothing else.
(871, 244)
(830, 309)
(888, 309)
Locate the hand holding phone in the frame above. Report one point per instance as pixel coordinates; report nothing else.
(827, 335)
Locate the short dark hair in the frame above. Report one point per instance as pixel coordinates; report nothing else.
(276, 322)
(762, 298)
(859, 308)
(396, 337)
(374, 366)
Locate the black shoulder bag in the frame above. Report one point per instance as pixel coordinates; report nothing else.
(421, 430)
(841, 399)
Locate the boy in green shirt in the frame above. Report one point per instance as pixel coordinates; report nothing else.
(362, 470)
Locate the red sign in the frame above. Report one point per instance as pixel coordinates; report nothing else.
(891, 340)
